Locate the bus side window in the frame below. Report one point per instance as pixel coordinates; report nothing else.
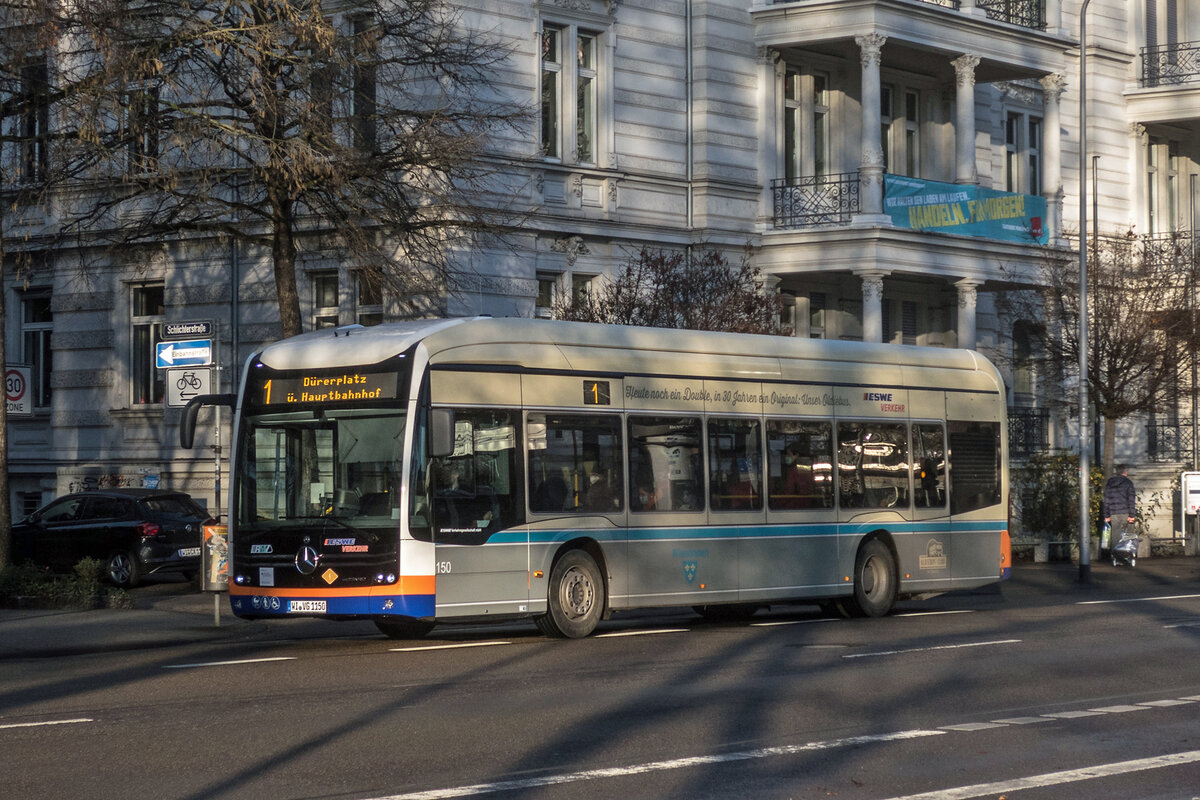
(929, 465)
(734, 465)
(575, 463)
(476, 489)
(799, 457)
(974, 465)
(665, 468)
(872, 465)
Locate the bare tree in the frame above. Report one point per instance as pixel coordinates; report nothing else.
(40, 76)
(355, 130)
(1140, 321)
(694, 288)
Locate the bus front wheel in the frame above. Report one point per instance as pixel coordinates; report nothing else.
(576, 597)
(875, 582)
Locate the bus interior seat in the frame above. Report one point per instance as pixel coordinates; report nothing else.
(550, 495)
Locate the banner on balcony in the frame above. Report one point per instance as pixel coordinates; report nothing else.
(965, 210)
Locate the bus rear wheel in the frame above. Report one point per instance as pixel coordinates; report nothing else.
(576, 597)
(404, 628)
(875, 582)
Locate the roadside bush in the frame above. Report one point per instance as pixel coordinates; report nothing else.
(1047, 488)
(32, 586)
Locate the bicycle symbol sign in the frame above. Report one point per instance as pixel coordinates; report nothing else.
(184, 384)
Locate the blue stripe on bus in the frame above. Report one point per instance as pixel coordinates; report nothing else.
(407, 605)
(551, 536)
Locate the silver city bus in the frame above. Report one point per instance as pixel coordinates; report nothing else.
(485, 468)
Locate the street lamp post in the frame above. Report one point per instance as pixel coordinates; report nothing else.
(1085, 538)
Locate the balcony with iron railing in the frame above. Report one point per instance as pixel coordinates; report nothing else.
(1028, 431)
(815, 200)
(1168, 440)
(1171, 64)
(1025, 13)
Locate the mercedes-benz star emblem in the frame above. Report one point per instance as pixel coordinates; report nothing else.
(306, 560)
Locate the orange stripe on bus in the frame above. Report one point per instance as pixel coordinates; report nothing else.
(408, 584)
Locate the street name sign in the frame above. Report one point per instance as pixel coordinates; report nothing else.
(178, 330)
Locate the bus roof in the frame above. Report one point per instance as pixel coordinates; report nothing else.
(557, 345)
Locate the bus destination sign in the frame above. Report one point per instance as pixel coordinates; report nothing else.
(323, 388)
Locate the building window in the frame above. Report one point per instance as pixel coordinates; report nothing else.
(1152, 215)
(547, 293)
(886, 118)
(1172, 187)
(570, 93)
(364, 109)
(34, 123)
(806, 124)
(912, 133)
(146, 315)
(37, 324)
(325, 300)
(369, 301)
(818, 305)
(143, 130)
(1022, 153)
(581, 288)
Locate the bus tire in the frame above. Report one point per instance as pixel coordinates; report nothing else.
(404, 628)
(875, 581)
(575, 601)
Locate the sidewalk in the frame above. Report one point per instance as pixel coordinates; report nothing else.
(171, 614)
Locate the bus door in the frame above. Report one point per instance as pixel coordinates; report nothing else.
(476, 500)
(933, 542)
(976, 480)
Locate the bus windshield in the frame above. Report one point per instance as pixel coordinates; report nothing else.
(342, 465)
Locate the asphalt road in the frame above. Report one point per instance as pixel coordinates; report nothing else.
(1032, 692)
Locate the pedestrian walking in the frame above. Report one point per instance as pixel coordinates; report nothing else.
(1120, 505)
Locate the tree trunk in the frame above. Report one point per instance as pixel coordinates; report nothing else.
(1109, 445)
(283, 254)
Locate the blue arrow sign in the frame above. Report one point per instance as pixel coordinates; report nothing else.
(192, 353)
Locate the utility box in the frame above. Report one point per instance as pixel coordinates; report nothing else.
(214, 559)
(1189, 500)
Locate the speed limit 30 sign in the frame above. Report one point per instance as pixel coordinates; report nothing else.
(17, 390)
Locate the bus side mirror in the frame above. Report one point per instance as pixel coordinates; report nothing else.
(441, 432)
(187, 423)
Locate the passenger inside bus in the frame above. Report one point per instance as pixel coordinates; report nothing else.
(797, 490)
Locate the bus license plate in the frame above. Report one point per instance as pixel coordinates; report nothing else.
(306, 606)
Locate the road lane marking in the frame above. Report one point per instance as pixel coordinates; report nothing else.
(1058, 778)
(47, 722)
(930, 649)
(618, 634)
(933, 613)
(654, 766)
(791, 622)
(1138, 600)
(228, 663)
(1066, 776)
(459, 646)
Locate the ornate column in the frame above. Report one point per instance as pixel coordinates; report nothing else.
(871, 167)
(1138, 185)
(964, 119)
(967, 300)
(770, 82)
(1052, 89)
(872, 304)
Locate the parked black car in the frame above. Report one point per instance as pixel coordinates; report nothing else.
(134, 531)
